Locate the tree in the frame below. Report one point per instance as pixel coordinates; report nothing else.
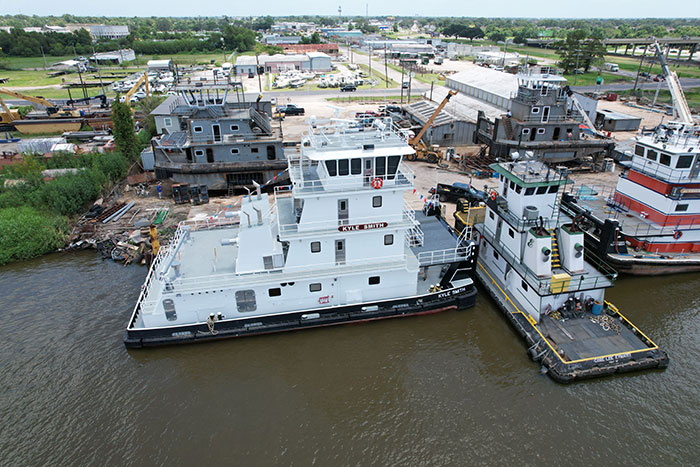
(314, 38)
(473, 32)
(396, 27)
(238, 38)
(497, 36)
(164, 24)
(124, 135)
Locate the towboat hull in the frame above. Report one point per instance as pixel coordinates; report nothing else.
(449, 299)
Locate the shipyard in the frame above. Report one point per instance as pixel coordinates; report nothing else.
(197, 207)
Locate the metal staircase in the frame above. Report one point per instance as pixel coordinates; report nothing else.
(508, 124)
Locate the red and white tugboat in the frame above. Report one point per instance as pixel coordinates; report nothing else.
(650, 224)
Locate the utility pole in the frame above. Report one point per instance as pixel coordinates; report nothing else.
(42, 54)
(431, 90)
(257, 71)
(410, 75)
(370, 61)
(401, 80)
(99, 72)
(639, 69)
(386, 72)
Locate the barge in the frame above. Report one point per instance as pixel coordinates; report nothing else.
(532, 261)
(338, 245)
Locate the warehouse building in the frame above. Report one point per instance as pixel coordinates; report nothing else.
(448, 129)
(493, 87)
(312, 61)
(608, 120)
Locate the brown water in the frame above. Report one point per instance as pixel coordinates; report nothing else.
(455, 388)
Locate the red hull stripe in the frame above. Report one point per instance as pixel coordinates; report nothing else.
(656, 185)
(654, 215)
(687, 247)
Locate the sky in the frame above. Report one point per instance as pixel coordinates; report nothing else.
(501, 8)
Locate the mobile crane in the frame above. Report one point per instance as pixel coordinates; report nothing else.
(681, 111)
(142, 80)
(52, 109)
(423, 151)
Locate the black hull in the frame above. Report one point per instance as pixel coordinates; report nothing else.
(456, 298)
(567, 373)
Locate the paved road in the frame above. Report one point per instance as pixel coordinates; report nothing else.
(687, 83)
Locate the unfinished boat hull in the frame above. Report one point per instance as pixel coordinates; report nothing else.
(33, 127)
(450, 299)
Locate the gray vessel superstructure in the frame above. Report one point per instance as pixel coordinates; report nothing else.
(218, 144)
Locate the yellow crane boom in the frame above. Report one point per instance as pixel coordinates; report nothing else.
(135, 87)
(8, 115)
(416, 139)
(50, 106)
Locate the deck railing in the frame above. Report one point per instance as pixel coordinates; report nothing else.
(543, 285)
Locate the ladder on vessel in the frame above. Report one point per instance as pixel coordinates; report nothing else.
(556, 259)
(509, 127)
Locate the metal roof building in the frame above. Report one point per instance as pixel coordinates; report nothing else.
(490, 86)
(448, 129)
(608, 120)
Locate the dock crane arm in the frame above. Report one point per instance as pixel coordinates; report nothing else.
(582, 111)
(50, 106)
(680, 105)
(416, 140)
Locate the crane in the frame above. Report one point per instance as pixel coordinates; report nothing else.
(422, 149)
(680, 105)
(51, 108)
(135, 87)
(8, 115)
(582, 111)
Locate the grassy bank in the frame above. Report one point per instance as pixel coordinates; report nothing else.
(35, 212)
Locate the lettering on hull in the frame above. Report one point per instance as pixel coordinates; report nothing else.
(356, 227)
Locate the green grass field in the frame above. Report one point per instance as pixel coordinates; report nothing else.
(422, 77)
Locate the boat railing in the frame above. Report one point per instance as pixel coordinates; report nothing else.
(520, 223)
(406, 216)
(657, 170)
(543, 285)
(450, 255)
(403, 178)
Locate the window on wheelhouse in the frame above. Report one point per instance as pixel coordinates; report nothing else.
(684, 162)
(343, 167)
(315, 287)
(374, 280)
(356, 166)
(651, 155)
(245, 300)
(380, 167)
(665, 159)
(315, 247)
(332, 168)
(392, 166)
(639, 150)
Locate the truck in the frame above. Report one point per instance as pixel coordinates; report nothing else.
(614, 67)
(451, 193)
(438, 60)
(290, 109)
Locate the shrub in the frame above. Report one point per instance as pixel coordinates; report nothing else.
(69, 194)
(26, 232)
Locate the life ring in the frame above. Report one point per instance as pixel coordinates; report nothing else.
(493, 195)
(677, 234)
(377, 183)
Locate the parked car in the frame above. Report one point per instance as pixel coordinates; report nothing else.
(405, 85)
(457, 191)
(290, 109)
(348, 88)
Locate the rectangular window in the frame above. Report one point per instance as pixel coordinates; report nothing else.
(665, 159)
(343, 167)
(271, 153)
(376, 201)
(529, 191)
(511, 233)
(512, 185)
(491, 215)
(331, 166)
(535, 110)
(315, 287)
(276, 292)
(681, 207)
(380, 166)
(639, 150)
(356, 166)
(374, 280)
(234, 127)
(168, 121)
(540, 131)
(198, 152)
(526, 131)
(389, 239)
(255, 150)
(392, 166)
(541, 190)
(315, 247)
(234, 151)
(197, 129)
(553, 189)
(523, 284)
(245, 300)
(684, 162)
(495, 254)
(518, 189)
(651, 155)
